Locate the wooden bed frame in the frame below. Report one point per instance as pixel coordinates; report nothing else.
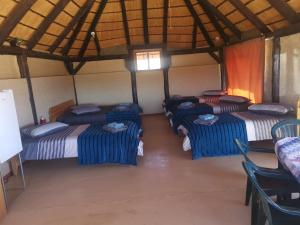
(58, 110)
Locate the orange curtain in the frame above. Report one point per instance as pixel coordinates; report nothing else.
(245, 69)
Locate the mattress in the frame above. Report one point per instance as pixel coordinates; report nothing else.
(65, 143)
(107, 114)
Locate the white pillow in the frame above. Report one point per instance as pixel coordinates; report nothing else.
(270, 108)
(84, 106)
(47, 129)
(234, 99)
(87, 109)
(214, 92)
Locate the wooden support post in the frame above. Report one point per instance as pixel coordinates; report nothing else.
(223, 69)
(75, 90)
(166, 82)
(275, 69)
(129, 63)
(134, 87)
(24, 71)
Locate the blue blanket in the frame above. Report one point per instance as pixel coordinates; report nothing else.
(171, 103)
(217, 139)
(132, 114)
(96, 146)
(107, 114)
(179, 114)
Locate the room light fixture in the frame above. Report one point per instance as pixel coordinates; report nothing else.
(93, 34)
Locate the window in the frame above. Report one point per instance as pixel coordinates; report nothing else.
(148, 60)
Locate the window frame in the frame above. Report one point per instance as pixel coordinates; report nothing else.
(147, 51)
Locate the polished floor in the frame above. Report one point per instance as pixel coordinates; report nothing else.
(166, 188)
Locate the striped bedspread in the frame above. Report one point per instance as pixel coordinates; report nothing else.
(169, 104)
(67, 143)
(257, 127)
(97, 146)
(223, 107)
(62, 144)
(217, 139)
(209, 99)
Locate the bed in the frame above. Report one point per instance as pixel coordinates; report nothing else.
(63, 113)
(217, 139)
(168, 104)
(90, 143)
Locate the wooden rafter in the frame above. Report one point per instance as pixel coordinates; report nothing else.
(125, 23)
(285, 10)
(46, 23)
(214, 21)
(72, 23)
(13, 18)
(97, 43)
(68, 46)
(145, 21)
(92, 27)
(250, 16)
(199, 23)
(194, 40)
(6, 50)
(223, 18)
(165, 22)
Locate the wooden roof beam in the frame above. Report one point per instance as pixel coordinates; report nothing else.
(125, 23)
(199, 23)
(92, 27)
(81, 12)
(13, 18)
(68, 46)
(145, 21)
(97, 43)
(214, 21)
(285, 10)
(250, 16)
(194, 40)
(165, 22)
(46, 23)
(223, 18)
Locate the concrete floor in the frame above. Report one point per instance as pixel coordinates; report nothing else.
(166, 188)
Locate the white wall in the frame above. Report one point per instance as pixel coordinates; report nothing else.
(51, 84)
(290, 69)
(104, 82)
(192, 74)
(150, 90)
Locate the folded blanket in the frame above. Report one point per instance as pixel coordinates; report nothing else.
(206, 117)
(206, 121)
(114, 127)
(122, 108)
(185, 105)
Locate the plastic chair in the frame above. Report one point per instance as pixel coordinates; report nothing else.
(267, 209)
(285, 128)
(267, 176)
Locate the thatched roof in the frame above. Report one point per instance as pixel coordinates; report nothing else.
(65, 27)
